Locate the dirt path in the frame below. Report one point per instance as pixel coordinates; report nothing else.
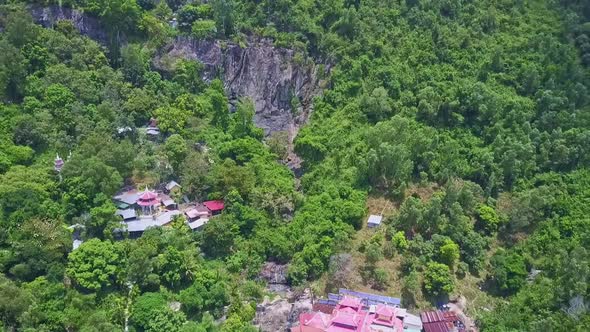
(458, 307)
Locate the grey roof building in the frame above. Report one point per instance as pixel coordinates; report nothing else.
(127, 214)
(374, 221)
(145, 222)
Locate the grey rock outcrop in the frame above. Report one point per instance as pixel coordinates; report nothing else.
(87, 25)
(281, 84)
(280, 314)
(274, 78)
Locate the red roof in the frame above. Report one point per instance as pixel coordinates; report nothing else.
(148, 198)
(216, 205)
(438, 327)
(325, 308)
(432, 316)
(438, 316)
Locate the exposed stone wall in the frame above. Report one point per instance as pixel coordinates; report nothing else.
(268, 75)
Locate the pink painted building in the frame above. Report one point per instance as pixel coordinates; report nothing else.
(349, 315)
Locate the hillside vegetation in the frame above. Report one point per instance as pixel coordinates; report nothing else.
(466, 122)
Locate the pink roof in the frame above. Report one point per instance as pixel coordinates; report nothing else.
(345, 318)
(192, 213)
(349, 316)
(384, 310)
(347, 310)
(349, 301)
(148, 195)
(216, 205)
(148, 198)
(315, 319)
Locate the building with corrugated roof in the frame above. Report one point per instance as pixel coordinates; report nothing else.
(440, 321)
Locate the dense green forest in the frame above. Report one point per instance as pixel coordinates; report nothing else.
(470, 118)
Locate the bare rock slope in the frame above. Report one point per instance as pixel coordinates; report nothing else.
(281, 87)
(280, 83)
(48, 16)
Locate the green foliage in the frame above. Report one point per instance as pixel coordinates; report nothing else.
(219, 102)
(438, 279)
(400, 242)
(13, 302)
(218, 236)
(176, 150)
(171, 119)
(449, 253)
(188, 74)
(166, 320)
(202, 29)
(488, 218)
(242, 125)
(509, 271)
(94, 265)
(146, 307)
(469, 115)
(207, 294)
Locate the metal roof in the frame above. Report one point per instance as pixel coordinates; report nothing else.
(438, 316)
(197, 223)
(128, 197)
(438, 327)
(371, 298)
(412, 321)
(168, 202)
(171, 185)
(126, 214)
(215, 205)
(76, 244)
(145, 222)
(374, 220)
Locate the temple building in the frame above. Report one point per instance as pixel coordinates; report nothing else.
(148, 200)
(351, 315)
(58, 164)
(140, 210)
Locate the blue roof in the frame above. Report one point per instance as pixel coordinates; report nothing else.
(370, 299)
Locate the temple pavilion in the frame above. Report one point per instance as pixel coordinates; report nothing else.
(148, 200)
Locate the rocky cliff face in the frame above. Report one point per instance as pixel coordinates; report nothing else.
(280, 86)
(87, 25)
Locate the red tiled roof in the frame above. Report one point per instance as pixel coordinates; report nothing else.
(432, 316)
(216, 205)
(438, 327)
(438, 316)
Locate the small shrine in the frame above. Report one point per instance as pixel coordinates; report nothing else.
(58, 164)
(148, 200)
